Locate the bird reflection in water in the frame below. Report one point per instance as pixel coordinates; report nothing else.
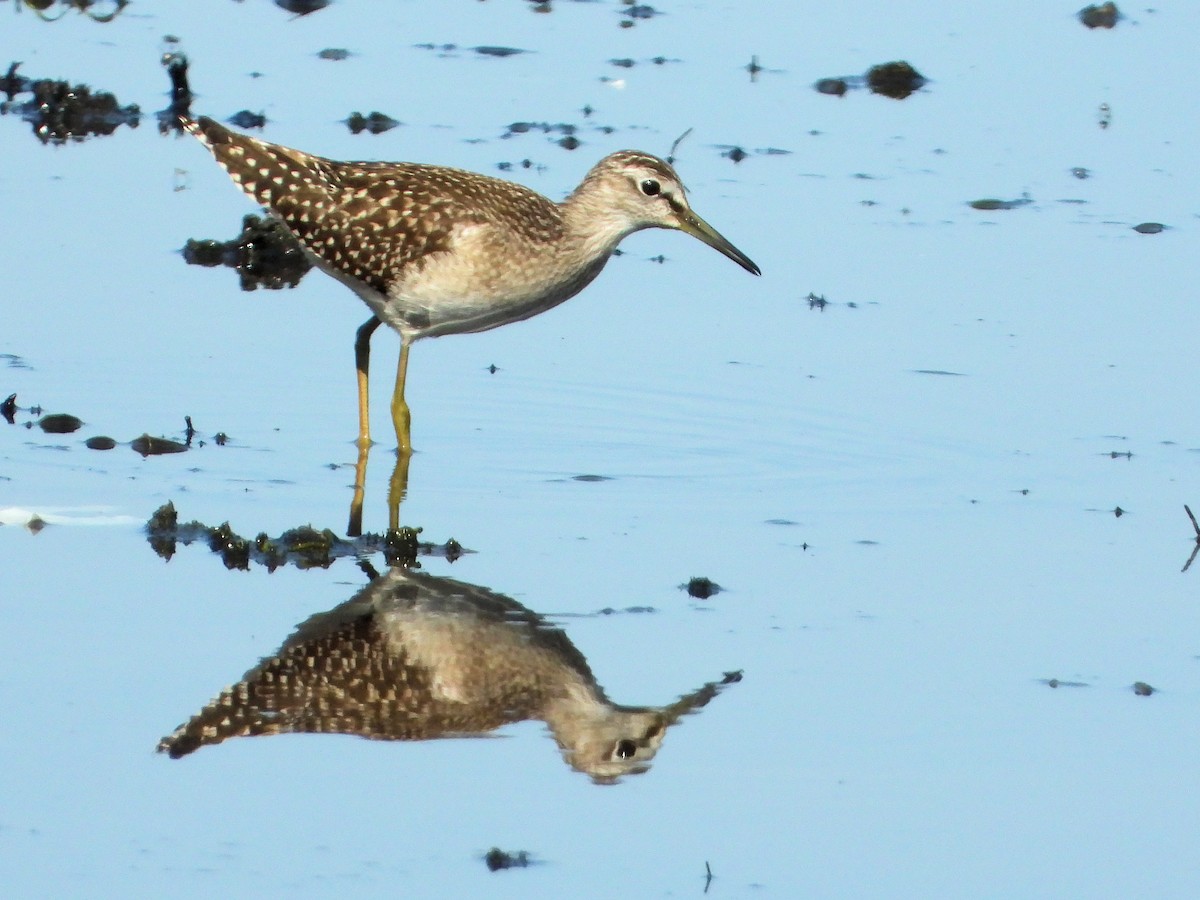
(416, 657)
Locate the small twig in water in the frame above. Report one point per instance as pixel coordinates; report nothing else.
(675, 146)
(1195, 527)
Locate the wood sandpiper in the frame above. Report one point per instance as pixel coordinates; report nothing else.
(434, 250)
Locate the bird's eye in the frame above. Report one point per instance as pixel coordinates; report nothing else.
(650, 187)
(626, 749)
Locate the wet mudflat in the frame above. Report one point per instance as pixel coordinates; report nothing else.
(865, 574)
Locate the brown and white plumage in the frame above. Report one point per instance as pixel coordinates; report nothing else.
(434, 250)
(415, 657)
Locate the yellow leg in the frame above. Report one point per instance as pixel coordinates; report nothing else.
(401, 417)
(354, 529)
(397, 488)
(362, 362)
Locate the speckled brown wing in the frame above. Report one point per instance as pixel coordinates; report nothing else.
(359, 219)
(346, 679)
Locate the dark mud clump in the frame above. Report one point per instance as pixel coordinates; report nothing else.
(568, 141)
(304, 547)
(497, 859)
(60, 423)
(990, 204)
(895, 79)
(265, 254)
(499, 52)
(1150, 228)
(1142, 689)
(65, 423)
(631, 12)
(374, 122)
(701, 588)
(246, 119)
(156, 446)
(544, 127)
(302, 7)
(834, 87)
(1100, 15)
(60, 112)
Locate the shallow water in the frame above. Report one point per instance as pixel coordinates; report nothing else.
(907, 558)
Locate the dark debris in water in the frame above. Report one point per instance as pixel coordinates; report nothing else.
(60, 423)
(737, 154)
(896, 80)
(498, 52)
(568, 139)
(96, 10)
(374, 122)
(755, 69)
(1100, 15)
(493, 51)
(264, 255)
(65, 423)
(302, 7)
(156, 446)
(1058, 682)
(497, 859)
(701, 588)
(820, 303)
(247, 119)
(1150, 228)
(524, 164)
(834, 87)
(632, 12)
(628, 62)
(304, 547)
(990, 203)
(60, 112)
(628, 610)
(334, 54)
(1142, 689)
